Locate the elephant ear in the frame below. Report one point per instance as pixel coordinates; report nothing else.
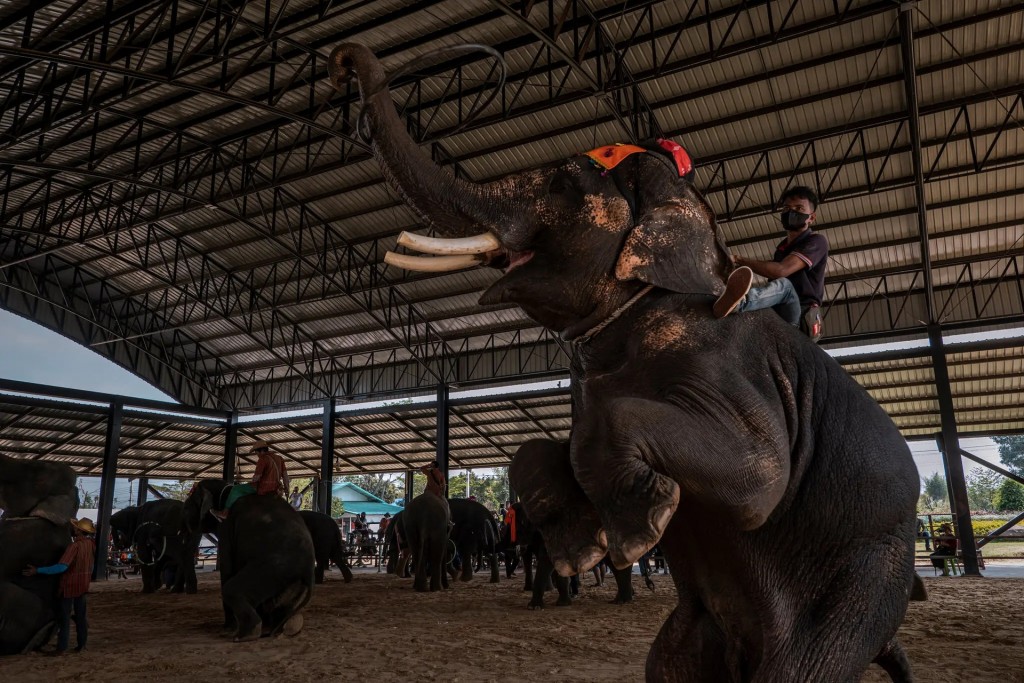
(675, 247)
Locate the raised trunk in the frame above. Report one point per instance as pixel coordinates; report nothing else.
(455, 207)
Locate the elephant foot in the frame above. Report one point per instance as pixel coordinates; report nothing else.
(649, 583)
(177, 589)
(535, 604)
(635, 525)
(293, 625)
(495, 579)
(346, 574)
(565, 601)
(622, 599)
(249, 635)
(191, 590)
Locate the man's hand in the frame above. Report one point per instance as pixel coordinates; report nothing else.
(29, 571)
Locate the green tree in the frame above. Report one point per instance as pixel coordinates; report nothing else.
(1011, 452)
(1010, 496)
(982, 486)
(176, 490)
(87, 499)
(935, 491)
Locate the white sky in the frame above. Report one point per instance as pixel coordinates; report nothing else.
(31, 353)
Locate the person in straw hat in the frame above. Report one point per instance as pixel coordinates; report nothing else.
(270, 477)
(75, 567)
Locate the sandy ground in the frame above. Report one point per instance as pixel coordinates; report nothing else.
(376, 627)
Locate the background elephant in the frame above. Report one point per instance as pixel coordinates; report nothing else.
(474, 531)
(30, 488)
(425, 522)
(153, 531)
(32, 494)
(526, 539)
(267, 567)
(196, 519)
(327, 544)
(736, 441)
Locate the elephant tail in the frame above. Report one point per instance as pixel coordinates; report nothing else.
(917, 590)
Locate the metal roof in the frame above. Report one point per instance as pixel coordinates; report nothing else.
(183, 191)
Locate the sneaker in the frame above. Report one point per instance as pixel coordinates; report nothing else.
(736, 288)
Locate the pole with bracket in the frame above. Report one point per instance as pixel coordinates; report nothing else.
(111, 447)
(442, 431)
(950, 447)
(230, 447)
(140, 496)
(327, 458)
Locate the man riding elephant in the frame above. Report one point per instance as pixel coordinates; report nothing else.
(269, 479)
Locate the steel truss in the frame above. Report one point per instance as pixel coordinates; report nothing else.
(84, 107)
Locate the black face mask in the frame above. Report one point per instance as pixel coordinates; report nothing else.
(793, 220)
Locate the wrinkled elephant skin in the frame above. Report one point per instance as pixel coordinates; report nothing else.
(37, 489)
(777, 485)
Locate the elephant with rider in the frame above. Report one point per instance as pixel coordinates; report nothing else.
(777, 486)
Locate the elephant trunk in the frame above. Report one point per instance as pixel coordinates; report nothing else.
(456, 208)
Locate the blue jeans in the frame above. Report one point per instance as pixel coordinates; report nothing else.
(778, 295)
(64, 622)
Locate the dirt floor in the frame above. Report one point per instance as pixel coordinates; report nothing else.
(376, 627)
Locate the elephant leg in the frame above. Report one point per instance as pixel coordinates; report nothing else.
(544, 571)
(245, 591)
(150, 578)
(403, 563)
(542, 473)
(598, 576)
(179, 577)
(528, 568)
(438, 565)
(467, 568)
(624, 583)
(689, 648)
(420, 556)
(318, 573)
(494, 567)
(562, 586)
(342, 562)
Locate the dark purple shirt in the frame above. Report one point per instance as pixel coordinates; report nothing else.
(808, 282)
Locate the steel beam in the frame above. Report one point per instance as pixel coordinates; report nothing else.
(914, 118)
(949, 445)
(111, 448)
(409, 479)
(230, 447)
(140, 496)
(441, 439)
(327, 456)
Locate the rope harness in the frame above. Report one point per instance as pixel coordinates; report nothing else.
(135, 543)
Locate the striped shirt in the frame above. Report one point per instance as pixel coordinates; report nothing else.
(79, 558)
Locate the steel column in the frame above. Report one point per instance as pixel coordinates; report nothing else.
(949, 444)
(914, 118)
(140, 496)
(327, 458)
(441, 439)
(110, 451)
(230, 447)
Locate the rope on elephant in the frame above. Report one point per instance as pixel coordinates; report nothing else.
(134, 543)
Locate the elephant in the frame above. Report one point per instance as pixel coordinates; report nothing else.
(528, 540)
(30, 488)
(425, 522)
(474, 530)
(38, 499)
(267, 565)
(327, 544)
(153, 530)
(197, 519)
(777, 486)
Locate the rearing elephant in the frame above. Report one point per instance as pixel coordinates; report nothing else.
(783, 495)
(37, 489)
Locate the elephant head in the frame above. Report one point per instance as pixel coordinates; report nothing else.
(195, 516)
(30, 488)
(576, 239)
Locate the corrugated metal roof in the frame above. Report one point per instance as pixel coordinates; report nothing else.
(212, 239)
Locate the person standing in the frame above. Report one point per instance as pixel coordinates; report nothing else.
(270, 477)
(75, 567)
(296, 498)
(796, 271)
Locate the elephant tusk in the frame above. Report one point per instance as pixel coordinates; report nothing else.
(431, 264)
(477, 244)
